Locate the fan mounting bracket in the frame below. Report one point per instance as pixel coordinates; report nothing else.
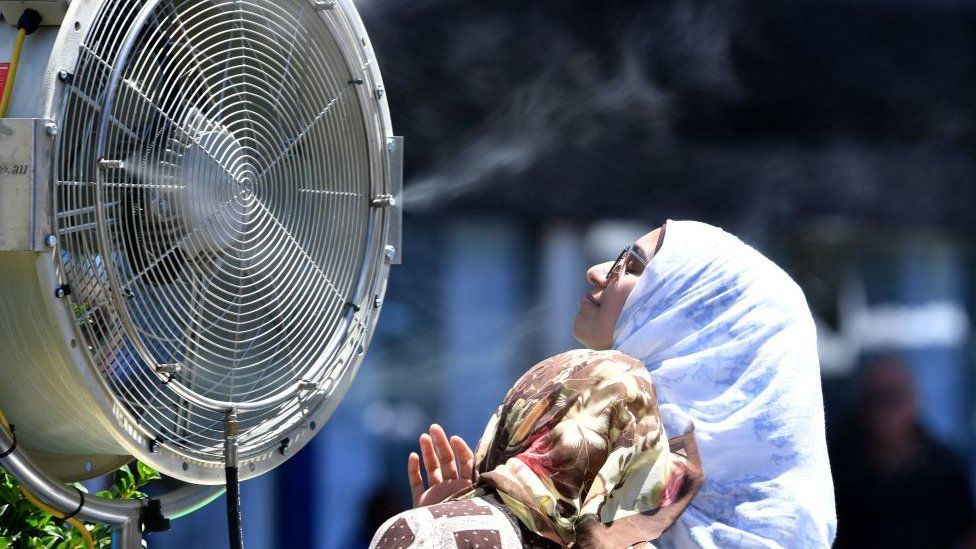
(394, 165)
(25, 192)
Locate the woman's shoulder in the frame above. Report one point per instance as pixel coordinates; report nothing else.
(582, 364)
(573, 370)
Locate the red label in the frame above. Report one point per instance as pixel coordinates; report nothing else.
(4, 70)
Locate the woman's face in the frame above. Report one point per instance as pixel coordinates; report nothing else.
(600, 307)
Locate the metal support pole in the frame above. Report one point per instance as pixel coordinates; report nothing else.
(127, 535)
(123, 515)
(57, 495)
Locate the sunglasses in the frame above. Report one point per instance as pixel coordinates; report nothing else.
(630, 260)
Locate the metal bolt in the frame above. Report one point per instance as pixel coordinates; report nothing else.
(378, 92)
(154, 446)
(283, 448)
(377, 302)
(51, 128)
(50, 241)
(62, 291)
(65, 76)
(391, 144)
(383, 201)
(109, 164)
(390, 253)
(168, 368)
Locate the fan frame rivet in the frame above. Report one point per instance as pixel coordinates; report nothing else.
(65, 76)
(51, 240)
(51, 129)
(111, 164)
(390, 253)
(62, 291)
(383, 201)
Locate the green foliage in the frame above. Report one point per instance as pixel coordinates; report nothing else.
(24, 526)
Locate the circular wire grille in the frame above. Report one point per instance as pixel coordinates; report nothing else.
(212, 199)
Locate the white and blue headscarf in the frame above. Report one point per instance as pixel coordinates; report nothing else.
(731, 346)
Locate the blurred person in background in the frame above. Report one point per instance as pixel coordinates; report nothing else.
(896, 485)
(730, 344)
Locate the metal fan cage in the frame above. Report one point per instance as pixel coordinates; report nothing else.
(221, 201)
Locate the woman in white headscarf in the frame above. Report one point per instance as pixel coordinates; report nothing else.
(730, 344)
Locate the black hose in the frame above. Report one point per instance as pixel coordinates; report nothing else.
(29, 21)
(234, 509)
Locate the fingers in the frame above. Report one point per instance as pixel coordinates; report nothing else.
(439, 455)
(431, 463)
(465, 457)
(413, 475)
(445, 454)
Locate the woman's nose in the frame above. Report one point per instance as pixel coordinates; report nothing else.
(597, 274)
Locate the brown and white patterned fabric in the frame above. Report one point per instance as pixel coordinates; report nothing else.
(575, 456)
(475, 523)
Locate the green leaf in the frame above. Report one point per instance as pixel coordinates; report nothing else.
(146, 474)
(38, 520)
(9, 493)
(107, 494)
(6, 543)
(55, 529)
(124, 482)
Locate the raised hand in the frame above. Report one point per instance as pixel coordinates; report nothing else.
(446, 461)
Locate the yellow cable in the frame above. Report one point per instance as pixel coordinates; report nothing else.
(75, 523)
(12, 72)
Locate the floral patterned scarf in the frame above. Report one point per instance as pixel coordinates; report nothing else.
(577, 444)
